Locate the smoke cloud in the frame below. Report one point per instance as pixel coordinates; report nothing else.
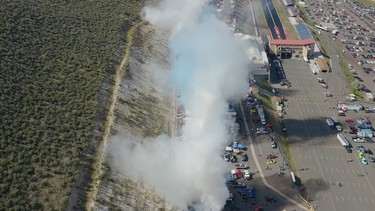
(209, 67)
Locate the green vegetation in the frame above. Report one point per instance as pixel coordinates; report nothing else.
(350, 78)
(285, 20)
(58, 58)
(367, 2)
(304, 15)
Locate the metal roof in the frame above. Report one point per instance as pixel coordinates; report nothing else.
(303, 31)
(292, 42)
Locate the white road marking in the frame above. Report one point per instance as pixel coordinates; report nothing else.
(372, 200)
(360, 199)
(343, 198)
(348, 198)
(354, 199)
(364, 184)
(337, 198)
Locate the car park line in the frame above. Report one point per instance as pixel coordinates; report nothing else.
(316, 156)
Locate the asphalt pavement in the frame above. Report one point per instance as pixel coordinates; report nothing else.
(316, 148)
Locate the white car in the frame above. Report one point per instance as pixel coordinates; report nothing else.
(358, 140)
(242, 166)
(246, 174)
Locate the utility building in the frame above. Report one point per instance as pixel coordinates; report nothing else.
(321, 64)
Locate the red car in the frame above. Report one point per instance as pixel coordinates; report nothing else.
(349, 121)
(324, 86)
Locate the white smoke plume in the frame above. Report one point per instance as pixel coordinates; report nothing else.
(208, 68)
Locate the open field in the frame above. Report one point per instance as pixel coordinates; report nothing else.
(57, 63)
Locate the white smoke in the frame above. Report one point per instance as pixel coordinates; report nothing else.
(208, 68)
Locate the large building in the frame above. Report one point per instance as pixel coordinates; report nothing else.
(294, 49)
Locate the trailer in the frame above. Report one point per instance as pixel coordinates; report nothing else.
(330, 122)
(343, 140)
(365, 133)
(349, 106)
(322, 28)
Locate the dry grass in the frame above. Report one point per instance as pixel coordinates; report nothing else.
(277, 126)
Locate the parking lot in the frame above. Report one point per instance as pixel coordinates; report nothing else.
(322, 160)
(270, 179)
(355, 40)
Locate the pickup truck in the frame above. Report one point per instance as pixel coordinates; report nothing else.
(246, 175)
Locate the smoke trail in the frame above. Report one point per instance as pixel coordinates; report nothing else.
(208, 67)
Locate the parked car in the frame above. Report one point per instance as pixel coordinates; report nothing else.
(368, 151)
(242, 166)
(271, 156)
(349, 120)
(364, 161)
(233, 159)
(238, 185)
(324, 86)
(361, 149)
(273, 144)
(271, 161)
(226, 157)
(358, 140)
(245, 157)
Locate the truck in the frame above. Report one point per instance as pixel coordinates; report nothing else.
(343, 140)
(322, 28)
(246, 175)
(334, 120)
(365, 133)
(336, 123)
(349, 106)
(329, 122)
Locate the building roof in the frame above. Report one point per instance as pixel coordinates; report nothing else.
(321, 63)
(303, 31)
(292, 42)
(287, 2)
(292, 11)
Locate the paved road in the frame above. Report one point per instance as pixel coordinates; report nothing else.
(316, 147)
(273, 21)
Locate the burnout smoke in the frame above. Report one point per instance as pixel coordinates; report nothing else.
(208, 68)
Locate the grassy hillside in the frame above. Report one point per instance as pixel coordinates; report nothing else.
(56, 60)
